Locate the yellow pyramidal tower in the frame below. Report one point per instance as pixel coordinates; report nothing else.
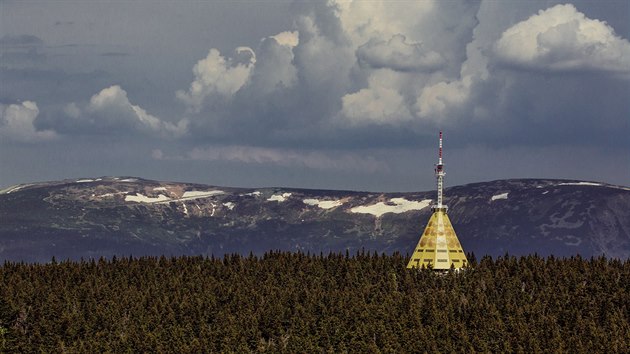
(438, 247)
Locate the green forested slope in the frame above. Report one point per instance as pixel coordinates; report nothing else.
(288, 302)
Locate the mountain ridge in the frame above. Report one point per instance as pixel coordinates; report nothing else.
(101, 178)
(106, 216)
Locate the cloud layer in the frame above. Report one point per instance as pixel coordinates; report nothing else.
(349, 65)
(322, 81)
(344, 161)
(357, 67)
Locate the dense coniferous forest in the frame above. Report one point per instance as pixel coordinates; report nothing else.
(293, 302)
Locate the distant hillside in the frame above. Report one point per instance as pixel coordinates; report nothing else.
(120, 216)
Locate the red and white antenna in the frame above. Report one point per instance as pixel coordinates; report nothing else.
(440, 156)
(439, 174)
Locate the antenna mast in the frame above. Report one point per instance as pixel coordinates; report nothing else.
(439, 174)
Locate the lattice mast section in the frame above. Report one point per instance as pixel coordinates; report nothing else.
(439, 174)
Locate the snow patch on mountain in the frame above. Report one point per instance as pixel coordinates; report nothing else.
(14, 188)
(185, 209)
(140, 198)
(200, 194)
(324, 204)
(161, 198)
(580, 184)
(395, 205)
(229, 205)
(108, 195)
(499, 196)
(279, 198)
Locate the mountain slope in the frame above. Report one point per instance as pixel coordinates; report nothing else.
(121, 216)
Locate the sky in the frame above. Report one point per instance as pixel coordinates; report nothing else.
(319, 94)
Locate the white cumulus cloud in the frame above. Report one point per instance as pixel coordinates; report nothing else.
(217, 75)
(380, 102)
(17, 123)
(562, 39)
(287, 38)
(362, 21)
(358, 62)
(435, 100)
(397, 54)
(111, 107)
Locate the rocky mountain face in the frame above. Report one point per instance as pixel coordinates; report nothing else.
(109, 216)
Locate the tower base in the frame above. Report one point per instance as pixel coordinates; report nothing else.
(439, 247)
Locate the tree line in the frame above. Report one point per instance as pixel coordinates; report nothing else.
(296, 302)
